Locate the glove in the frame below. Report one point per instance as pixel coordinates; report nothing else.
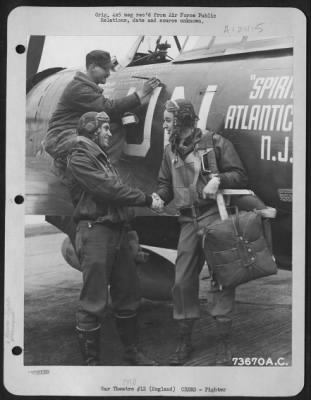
(210, 190)
(157, 203)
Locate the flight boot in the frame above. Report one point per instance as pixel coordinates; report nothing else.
(223, 345)
(184, 348)
(90, 345)
(128, 330)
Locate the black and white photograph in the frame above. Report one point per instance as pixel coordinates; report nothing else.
(162, 223)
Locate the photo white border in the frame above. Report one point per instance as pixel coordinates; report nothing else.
(85, 381)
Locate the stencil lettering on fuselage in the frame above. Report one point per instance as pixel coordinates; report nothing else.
(140, 150)
(266, 117)
(206, 105)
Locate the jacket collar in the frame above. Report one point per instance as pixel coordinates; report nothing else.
(183, 150)
(82, 77)
(206, 140)
(91, 146)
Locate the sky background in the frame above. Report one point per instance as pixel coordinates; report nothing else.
(70, 51)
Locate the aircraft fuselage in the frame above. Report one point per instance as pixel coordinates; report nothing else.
(247, 98)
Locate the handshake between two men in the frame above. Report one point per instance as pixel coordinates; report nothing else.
(157, 203)
(209, 192)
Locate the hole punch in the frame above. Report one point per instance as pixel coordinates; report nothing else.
(17, 350)
(20, 49)
(19, 199)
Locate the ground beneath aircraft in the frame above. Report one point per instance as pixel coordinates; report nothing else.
(262, 320)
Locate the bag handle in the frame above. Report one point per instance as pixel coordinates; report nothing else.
(206, 148)
(222, 209)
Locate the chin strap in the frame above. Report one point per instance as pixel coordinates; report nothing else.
(184, 146)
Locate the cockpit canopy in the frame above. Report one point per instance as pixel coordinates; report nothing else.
(153, 50)
(160, 49)
(199, 47)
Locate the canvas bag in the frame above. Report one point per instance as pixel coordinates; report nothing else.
(236, 249)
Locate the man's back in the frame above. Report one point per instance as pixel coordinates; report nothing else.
(80, 95)
(66, 115)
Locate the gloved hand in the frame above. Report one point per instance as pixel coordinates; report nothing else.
(157, 203)
(210, 190)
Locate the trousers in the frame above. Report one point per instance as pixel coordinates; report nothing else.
(107, 261)
(189, 263)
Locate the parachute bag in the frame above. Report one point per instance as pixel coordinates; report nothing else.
(236, 248)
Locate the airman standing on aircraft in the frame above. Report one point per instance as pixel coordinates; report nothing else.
(84, 94)
(180, 178)
(100, 201)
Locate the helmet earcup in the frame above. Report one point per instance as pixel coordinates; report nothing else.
(90, 127)
(187, 119)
